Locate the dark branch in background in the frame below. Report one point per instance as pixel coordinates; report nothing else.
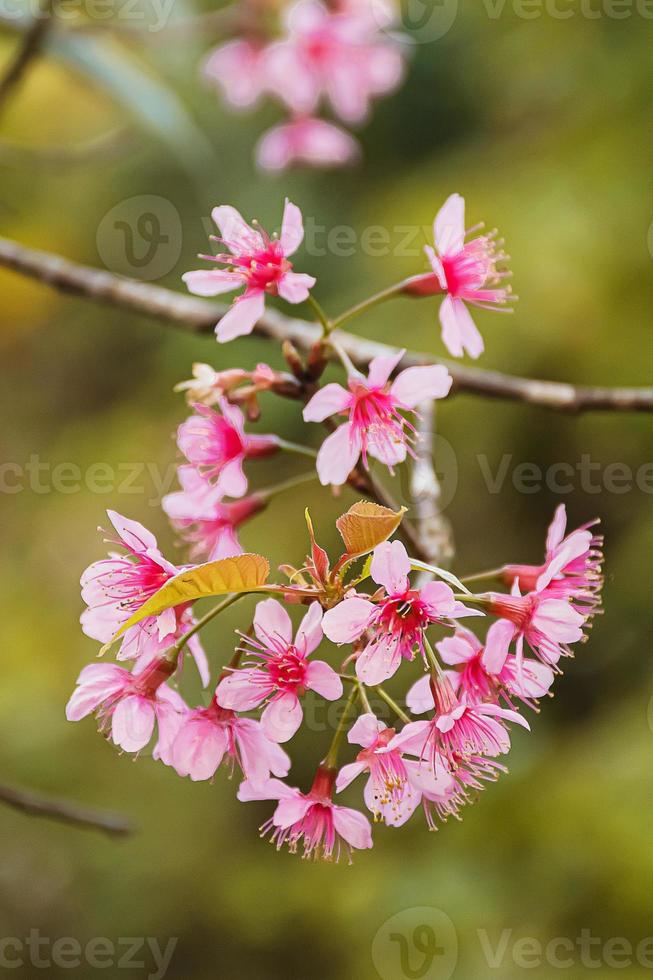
(65, 812)
(29, 47)
(434, 529)
(200, 316)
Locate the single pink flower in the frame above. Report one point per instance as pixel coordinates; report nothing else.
(128, 705)
(116, 587)
(484, 672)
(460, 730)
(285, 672)
(207, 736)
(311, 819)
(217, 446)
(204, 520)
(396, 785)
(572, 565)
(342, 55)
(257, 262)
(308, 142)
(547, 623)
(238, 70)
(395, 620)
(375, 424)
(468, 272)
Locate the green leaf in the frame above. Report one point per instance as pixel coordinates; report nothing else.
(243, 573)
(422, 566)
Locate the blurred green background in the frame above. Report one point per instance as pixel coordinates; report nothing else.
(544, 125)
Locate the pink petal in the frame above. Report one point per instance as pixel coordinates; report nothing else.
(309, 635)
(557, 528)
(348, 774)
(244, 689)
(322, 678)
(348, 620)
(459, 332)
(378, 662)
(212, 282)
(497, 644)
(338, 456)
(136, 537)
(365, 730)
(232, 480)
(292, 229)
(272, 624)
(282, 718)
(353, 827)
(382, 367)
(330, 400)
(294, 287)
(419, 384)
(390, 566)
(291, 809)
(420, 696)
(132, 723)
(198, 749)
(449, 226)
(241, 317)
(240, 237)
(456, 649)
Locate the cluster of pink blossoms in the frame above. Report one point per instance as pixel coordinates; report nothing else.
(366, 621)
(305, 54)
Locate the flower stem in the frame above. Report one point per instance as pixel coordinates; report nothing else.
(293, 481)
(331, 758)
(349, 367)
(327, 326)
(392, 704)
(367, 304)
(494, 573)
(294, 447)
(176, 649)
(434, 663)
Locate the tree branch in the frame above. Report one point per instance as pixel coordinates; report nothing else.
(64, 811)
(200, 316)
(434, 530)
(29, 47)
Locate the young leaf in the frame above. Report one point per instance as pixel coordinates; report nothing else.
(422, 566)
(243, 573)
(367, 524)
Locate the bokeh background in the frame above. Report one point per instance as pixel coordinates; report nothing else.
(544, 125)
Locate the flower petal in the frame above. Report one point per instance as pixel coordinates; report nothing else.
(348, 620)
(390, 566)
(282, 717)
(321, 677)
(331, 399)
(449, 225)
(338, 456)
(419, 384)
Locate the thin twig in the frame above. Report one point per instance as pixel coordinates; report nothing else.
(200, 316)
(64, 811)
(29, 47)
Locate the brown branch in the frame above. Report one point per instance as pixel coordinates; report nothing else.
(29, 47)
(64, 812)
(200, 316)
(434, 529)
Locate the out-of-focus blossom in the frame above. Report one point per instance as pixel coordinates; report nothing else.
(310, 142)
(238, 69)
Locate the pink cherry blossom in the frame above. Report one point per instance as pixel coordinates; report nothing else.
(468, 272)
(217, 446)
(395, 785)
(375, 425)
(128, 705)
(548, 624)
(238, 70)
(116, 587)
(572, 565)
(284, 673)
(460, 730)
(395, 620)
(207, 736)
(257, 262)
(309, 142)
(206, 521)
(342, 55)
(311, 819)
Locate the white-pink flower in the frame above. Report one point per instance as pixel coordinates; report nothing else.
(311, 819)
(395, 620)
(484, 672)
(238, 70)
(546, 622)
(207, 736)
(206, 521)
(257, 262)
(217, 446)
(310, 142)
(468, 272)
(128, 705)
(283, 672)
(116, 587)
(395, 785)
(342, 55)
(375, 424)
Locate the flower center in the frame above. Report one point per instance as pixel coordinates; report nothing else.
(265, 268)
(288, 671)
